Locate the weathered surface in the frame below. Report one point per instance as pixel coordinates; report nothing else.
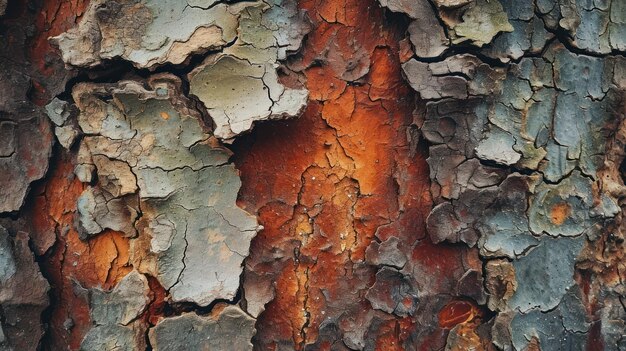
(60, 114)
(250, 38)
(344, 261)
(454, 183)
(147, 33)
(228, 328)
(25, 139)
(520, 158)
(241, 85)
(114, 315)
(152, 155)
(23, 294)
(27, 53)
(68, 262)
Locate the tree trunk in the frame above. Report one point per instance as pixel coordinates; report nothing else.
(312, 175)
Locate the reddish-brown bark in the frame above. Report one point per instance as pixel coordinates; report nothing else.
(72, 265)
(327, 184)
(342, 183)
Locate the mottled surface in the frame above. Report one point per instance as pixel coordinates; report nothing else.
(147, 32)
(114, 315)
(454, 181)
(241, 85)
(23, 294)
(229, 328)
(523, 159)
(344, 261)
(238, 82)
(156, 158)
(25, 139)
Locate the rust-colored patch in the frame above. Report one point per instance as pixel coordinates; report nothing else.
(533, 345)
(456, 312)
(72, 263)
(54, 18)
(324, 187)
(560, 212)
(157, 307)
(463, 337)
(594, 339)
(328, 183)
(392, 334)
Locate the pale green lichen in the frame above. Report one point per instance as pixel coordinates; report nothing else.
(482, 21)
(149, 145)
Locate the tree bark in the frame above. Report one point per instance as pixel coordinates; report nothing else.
(312, 175)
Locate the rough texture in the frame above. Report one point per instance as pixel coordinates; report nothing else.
(147, 32)
(344, 261)
(115, 314)
(26, 140)
(23, 294)
(240, 85)
(152, 155)
(250, 38)
(69, 263)
(60, 114)
(520, 158)
(227, 329)
(455, 181)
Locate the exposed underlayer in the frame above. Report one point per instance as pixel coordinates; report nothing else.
(312, 175)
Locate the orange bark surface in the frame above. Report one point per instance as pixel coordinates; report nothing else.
(337, 178)
(324, 186)
(72, 265)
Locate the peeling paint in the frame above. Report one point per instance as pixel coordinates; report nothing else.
(185, 187)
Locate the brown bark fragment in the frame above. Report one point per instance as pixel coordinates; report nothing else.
(71, 264)
(23, 293)
(338, 179)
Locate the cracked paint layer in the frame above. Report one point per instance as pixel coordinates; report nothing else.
(343, 261)
(154, 158)
(147, 33)
(241, 85)
(132, 175)
(133, 135)
(69, 263)
(248, 38)
(60, 114)
(115, 315)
